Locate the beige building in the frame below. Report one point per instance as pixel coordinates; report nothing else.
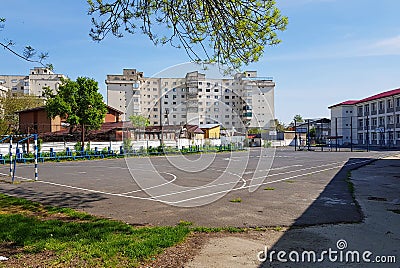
(243, 101)
(33, 83)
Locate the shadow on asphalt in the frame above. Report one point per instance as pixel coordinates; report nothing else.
(334, 205)
(77, 200)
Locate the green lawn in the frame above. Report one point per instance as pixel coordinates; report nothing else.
(79, 238)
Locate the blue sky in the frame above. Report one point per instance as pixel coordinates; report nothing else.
(333, 50)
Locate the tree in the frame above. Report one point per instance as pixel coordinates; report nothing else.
(11, 104)
(28, 54)
(232, 32)
(279, 126)
(139, 121)
(256, 131)
(298, 118)
(79, 103)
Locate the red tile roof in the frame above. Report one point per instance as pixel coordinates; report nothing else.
(381, 95)
(349, 102)
(374, 97)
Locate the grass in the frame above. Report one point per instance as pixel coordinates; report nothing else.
(269, 189)
(80, 239)
(289, 181)
(185, 223)
(236, 200)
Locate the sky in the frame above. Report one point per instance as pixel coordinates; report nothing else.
(332, 50)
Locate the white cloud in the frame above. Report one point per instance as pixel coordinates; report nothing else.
(387, 46)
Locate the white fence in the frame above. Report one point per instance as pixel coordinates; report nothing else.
(115, 145)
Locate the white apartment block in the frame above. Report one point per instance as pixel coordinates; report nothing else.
(33, 83)
(244, 101)
(374, 120)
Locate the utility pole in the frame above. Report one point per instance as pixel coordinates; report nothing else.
(295, 135)
(308, 134)
(83, 137)
(336, 134)
(161, 124)
(367, 123)
(351, 133)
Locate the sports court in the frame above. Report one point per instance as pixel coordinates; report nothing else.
(271, 187)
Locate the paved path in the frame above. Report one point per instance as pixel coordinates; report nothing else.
(377, 190)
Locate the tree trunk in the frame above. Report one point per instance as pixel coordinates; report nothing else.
(83, 137)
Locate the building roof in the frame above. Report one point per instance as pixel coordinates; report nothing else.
(349, 102)
(194, 129)
(31, 109)
(374, 97)
(113, 109)
(208, 126)
(381, 95)
(43, 108)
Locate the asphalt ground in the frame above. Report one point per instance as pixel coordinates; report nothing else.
(275, 187)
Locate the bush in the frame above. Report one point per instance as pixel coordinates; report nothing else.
(78, 147)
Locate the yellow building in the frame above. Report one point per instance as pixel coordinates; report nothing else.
(211, 131)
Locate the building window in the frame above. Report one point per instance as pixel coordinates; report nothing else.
(398, 102)
(381, 121)
(389, 104)
(374, 121)
(373, 106)
(366, 108)
(208, 90)
(381, 105)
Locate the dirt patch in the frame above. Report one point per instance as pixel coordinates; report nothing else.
(231, 248)
(178, 255)
(18, 259)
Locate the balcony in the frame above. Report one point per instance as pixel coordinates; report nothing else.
(390, 110)
(248, 115)
(374, 112)
(267, 78)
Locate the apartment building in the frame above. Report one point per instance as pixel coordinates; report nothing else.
(243, 101)
(33, 83)
(374, 120)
